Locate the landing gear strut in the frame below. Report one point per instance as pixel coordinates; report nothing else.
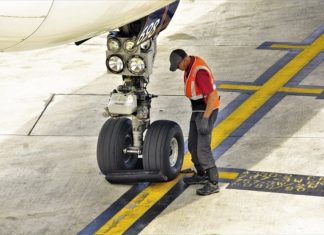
(124, 154)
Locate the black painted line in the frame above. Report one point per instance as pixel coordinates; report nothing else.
(267, 47)
(305, 86)
(299, 94)
(317, 33)
(40, 116)
(309, 40)
(225, 181)
(244, 91)
(321, 96)
(250, 92)
(221, 82)
(237, 170)
(157, 208)
(97, 223)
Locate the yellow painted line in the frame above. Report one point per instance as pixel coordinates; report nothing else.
(287, 46)
(264, 93)
(238, 87)
(315, 91)
(228, 175)
(127, 216)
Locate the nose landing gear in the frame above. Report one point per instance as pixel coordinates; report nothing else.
(124, 155)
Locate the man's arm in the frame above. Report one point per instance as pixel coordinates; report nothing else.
(212, 97)
(207, 89)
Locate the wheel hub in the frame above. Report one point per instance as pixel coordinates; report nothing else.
(174, 150)
(128, 142)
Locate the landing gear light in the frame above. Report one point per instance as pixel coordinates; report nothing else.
(115, 64)
(129, 46)
(136, 65)
(114, 45)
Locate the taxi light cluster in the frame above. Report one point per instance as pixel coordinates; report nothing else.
(123, 53)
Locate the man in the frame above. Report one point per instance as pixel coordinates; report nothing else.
(200, 88)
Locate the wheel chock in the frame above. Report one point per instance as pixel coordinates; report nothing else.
(135, 176)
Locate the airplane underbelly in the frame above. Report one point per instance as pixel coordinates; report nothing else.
(63, 21)
(20, 19)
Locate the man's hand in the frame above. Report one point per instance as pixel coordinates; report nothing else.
(203, 128)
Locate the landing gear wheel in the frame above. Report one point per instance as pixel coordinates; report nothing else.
(164, 148)
(114, 137)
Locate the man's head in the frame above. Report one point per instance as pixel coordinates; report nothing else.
(179, 60)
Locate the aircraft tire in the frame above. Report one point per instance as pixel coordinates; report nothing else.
(164, 148)
(115, 135)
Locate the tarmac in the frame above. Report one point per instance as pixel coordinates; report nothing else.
(268, 141)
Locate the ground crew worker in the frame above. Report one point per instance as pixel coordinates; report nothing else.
(200, 88)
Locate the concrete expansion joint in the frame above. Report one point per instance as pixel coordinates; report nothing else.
(47, 103)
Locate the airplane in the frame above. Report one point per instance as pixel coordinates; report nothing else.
(130, 148)
(33, 24)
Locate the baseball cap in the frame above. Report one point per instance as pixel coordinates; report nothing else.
(176, 57)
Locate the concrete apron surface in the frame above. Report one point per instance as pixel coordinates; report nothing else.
(270, 127)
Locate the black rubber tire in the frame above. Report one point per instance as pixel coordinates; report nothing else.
(157, 146)
(115, 135)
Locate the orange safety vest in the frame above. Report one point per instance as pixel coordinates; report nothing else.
(192, 91)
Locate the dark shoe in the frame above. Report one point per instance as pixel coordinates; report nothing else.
(196, 179)
(209, 188)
